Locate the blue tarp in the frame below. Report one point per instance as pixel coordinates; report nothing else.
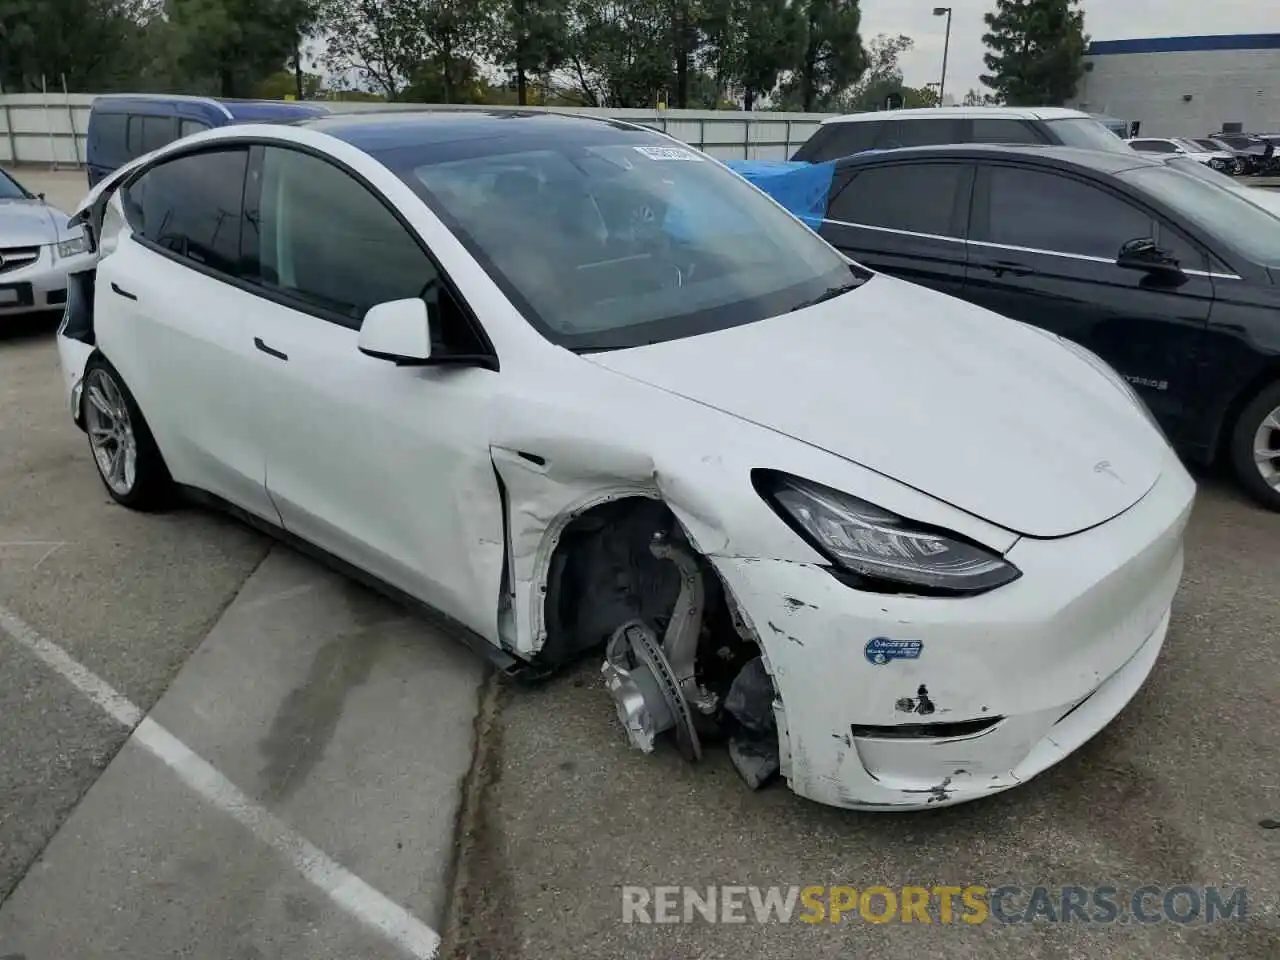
(800, 187)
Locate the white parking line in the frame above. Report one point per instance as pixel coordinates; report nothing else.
(340, 885)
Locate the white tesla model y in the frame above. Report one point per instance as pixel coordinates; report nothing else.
(576, 387)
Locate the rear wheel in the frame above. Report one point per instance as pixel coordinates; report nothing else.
(123, 449)
(1255, 447)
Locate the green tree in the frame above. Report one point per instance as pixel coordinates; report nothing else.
(284, 83)
(95, 44)
(455, 32)
(530, 41)
(1036, 49)
(619, 52)
(883, 76)
(373, 43)
(229, 46)
(832, 57)
(748, 44)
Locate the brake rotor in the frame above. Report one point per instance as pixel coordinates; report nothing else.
(646, 691)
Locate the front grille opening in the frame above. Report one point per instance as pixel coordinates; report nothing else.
(15, 258)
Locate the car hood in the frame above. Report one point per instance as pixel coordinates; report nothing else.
(987, 414)
(29, 222)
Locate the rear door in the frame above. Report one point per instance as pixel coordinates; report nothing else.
(1042, 249)
(171, 318)
(905, 219)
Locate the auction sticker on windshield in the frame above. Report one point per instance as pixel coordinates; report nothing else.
(668, 153)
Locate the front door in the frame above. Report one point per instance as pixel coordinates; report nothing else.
(1042, 249)
(384, 466)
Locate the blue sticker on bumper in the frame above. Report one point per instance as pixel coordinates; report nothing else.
(880, 650)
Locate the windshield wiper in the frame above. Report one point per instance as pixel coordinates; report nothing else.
(828, 294)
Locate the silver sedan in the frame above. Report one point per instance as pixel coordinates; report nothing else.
(38, 250)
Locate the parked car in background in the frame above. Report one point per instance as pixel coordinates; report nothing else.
(1174, 280)
(1239, 165)
(890, 129)
(1214, 157)
(1217, 158)
(1250, 151)
(505, 367)
(127, 125)
(38, 249)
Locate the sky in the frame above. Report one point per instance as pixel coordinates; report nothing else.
(1103, 20)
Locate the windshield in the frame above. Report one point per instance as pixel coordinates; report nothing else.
(1086, 133)
(1208, 145)
(9, 189)
(1239, 143)
(630, 241)
(1221, 211)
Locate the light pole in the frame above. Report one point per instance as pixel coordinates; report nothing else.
(946, 46)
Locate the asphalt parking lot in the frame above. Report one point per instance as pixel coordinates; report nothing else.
(354, 726)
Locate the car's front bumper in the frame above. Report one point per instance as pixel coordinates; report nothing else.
(1002, 685)
(40, 284)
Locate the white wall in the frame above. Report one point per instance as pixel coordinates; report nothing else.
(1225, 86)
(39, 129)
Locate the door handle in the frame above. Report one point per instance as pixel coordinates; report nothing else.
(120, 291)
(1011, 267)
(269, 351)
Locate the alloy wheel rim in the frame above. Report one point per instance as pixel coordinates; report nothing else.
(111, 436)
(1266, 449)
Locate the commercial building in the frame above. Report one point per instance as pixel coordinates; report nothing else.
(1186, 86)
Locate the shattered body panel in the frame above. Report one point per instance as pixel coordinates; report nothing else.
(984, 706)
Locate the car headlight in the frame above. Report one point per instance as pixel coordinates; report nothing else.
(1120, 382)
(881, 549)
(69, 248)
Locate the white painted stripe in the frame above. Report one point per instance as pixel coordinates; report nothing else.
(116, 705)
(339, 884)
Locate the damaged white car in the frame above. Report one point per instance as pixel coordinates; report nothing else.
(577, 388)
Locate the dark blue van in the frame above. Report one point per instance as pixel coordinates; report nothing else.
(126, 125)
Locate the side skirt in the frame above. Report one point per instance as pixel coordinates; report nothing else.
(500, 659)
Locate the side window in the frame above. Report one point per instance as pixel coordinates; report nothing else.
(919, 133)
(192, 206)
(157, 131)
(1003, 130)
(916, 197)
(327, 240)
(834, 140)
(110, 132)
(188, 127)
(1046, 211)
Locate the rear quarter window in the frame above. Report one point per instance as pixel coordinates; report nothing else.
(920, 132)
(834, 140)
(109, 135)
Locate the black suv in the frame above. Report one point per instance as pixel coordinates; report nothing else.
(1172, 279)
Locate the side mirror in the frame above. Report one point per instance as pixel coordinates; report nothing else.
(1143, 254)
(398, 330)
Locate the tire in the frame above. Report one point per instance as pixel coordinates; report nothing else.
(120, 442)
(1257, 430)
